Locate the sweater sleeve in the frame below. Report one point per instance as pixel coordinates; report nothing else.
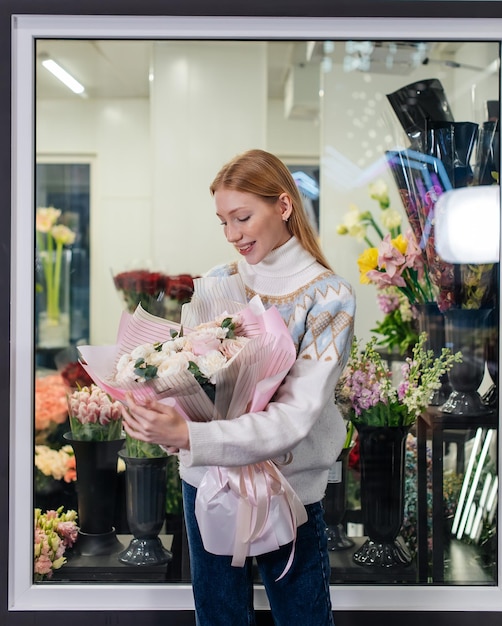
(306, 390)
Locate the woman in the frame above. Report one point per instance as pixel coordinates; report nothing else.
(261, 212)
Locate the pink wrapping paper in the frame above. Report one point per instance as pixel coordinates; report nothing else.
(256, 500)
(247, 511)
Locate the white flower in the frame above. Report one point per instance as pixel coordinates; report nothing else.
(206, 347)
(379, 191)
(125, 370)
(391, 218)
(142, 352)
(210, 363)
(353, 224)
(175, 364)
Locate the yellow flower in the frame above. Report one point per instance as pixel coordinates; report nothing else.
(391, 218)
(368, 260)
(46, 218)
(400, 243)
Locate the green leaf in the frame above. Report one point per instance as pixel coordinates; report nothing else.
(143, 370)
(228, 323)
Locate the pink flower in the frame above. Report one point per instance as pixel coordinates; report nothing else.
(68, 531)
(387, 302)
(91, 407)
(389, 257)
(231, 347)
(43, 565)
(414, 256)
(384, 279)
(204, 343)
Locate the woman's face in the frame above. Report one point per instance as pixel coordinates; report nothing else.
(253, 226)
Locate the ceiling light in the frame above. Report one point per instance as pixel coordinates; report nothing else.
(67, 79)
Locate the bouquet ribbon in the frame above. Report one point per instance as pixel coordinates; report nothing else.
(247, 511)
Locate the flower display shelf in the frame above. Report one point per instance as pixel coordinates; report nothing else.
(345, 571)
(107, 568)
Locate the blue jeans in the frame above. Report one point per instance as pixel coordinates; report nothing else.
(224, 594)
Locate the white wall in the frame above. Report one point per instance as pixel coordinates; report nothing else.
(208, 103)
(153, 161)
(295, 141)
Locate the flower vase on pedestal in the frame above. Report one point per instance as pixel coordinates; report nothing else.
(382, 452)
(335, 504)
(53, 299)
(431, 321)
(146, 480)
(96, 463)
(465, 331)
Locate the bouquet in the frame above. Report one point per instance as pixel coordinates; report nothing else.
(397, 263)
(55, 531)
(367, 391)
(394, 264)
(225, 359)
(158, 293)
(94, 416)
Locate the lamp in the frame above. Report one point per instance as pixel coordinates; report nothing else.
(467, 225)
(61, 74)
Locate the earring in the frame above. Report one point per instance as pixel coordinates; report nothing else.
(285, 219)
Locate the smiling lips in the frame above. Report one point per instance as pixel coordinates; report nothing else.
(245, 249)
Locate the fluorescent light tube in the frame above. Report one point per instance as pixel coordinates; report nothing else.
(63, 76)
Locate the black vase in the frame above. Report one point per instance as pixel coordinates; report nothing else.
(146, 510)
(382, 454)
(431, 321)
(466, 332)
(417, 104)
(97, 482)
(335, 504)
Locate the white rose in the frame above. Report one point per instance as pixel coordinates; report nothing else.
(142, 352)
(173, 365)
(178, 344)
(211, 363)
(126, 374)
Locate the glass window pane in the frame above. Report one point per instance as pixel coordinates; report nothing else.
(420, 119)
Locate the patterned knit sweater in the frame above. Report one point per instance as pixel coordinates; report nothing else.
(318, 307)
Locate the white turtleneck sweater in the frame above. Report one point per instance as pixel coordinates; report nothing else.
(318, 307)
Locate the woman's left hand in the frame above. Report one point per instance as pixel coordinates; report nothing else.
(154, 422)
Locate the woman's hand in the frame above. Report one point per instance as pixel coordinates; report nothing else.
(154, 422)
